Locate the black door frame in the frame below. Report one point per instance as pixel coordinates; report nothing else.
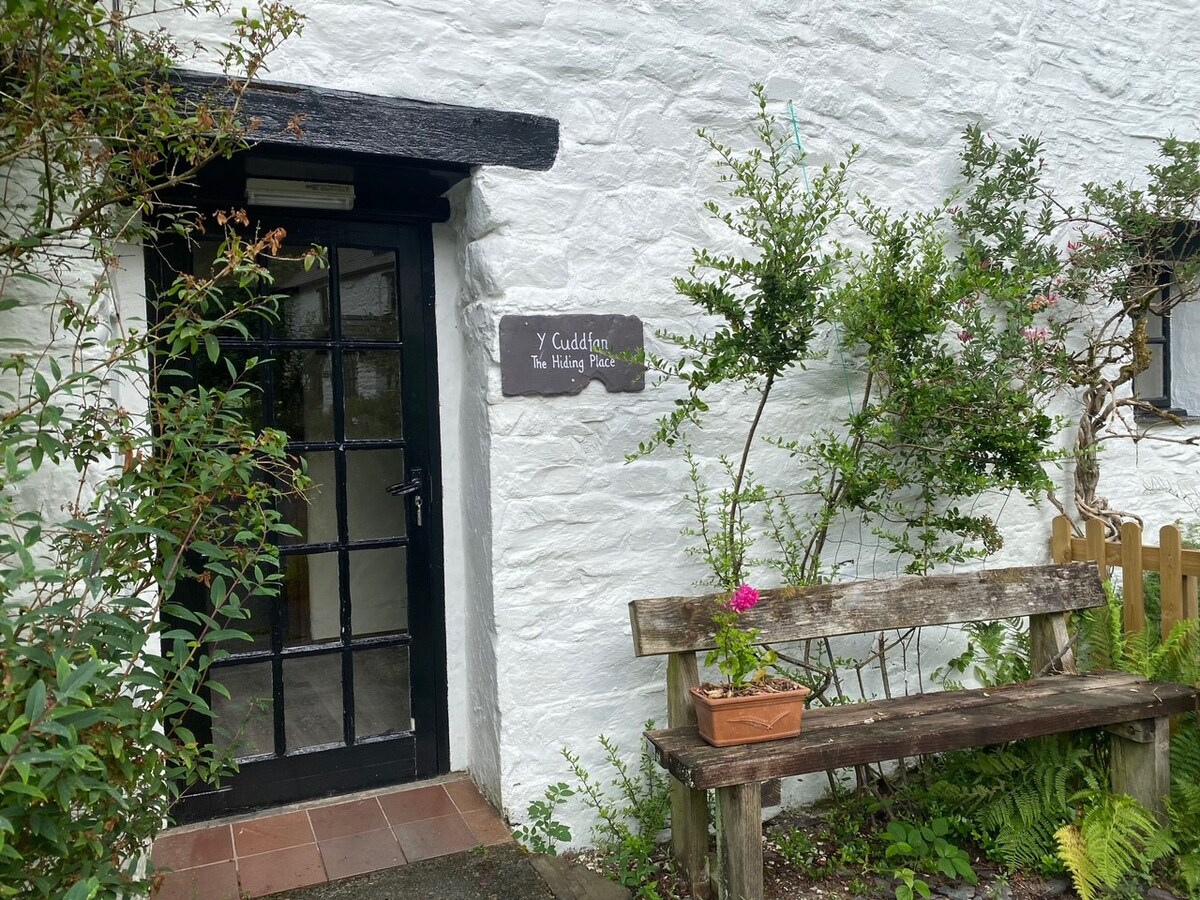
(374, 762)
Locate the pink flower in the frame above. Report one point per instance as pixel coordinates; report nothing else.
(965, 336)
(744, 598)
(1035, 334)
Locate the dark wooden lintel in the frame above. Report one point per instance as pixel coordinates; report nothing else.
(347, 122)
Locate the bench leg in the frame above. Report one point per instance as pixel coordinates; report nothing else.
(739, 842)
(689, 836)
(689, 807)
(1141, 762)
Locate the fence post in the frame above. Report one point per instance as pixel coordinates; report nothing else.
(1131, 578)
(1170, 567)
(1060, 539)
(1097, 549)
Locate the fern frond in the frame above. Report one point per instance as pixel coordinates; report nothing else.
(996, 762)
(1025, 846)
(1101, 636)
(1073, 853)
(1114, 622)
(1174, 658)
(1114, 838)
(1189, 872)
(1185, 752)
(1022, 809)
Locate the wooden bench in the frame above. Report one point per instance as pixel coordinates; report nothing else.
(1136, 711)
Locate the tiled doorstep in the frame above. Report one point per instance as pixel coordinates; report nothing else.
(324, 842)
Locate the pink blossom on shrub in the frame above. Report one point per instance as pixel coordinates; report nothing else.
(743, 599)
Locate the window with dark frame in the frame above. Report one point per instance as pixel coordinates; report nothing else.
(1153, 384)
(1177, 265)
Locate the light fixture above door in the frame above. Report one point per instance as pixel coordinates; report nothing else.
(299, 194)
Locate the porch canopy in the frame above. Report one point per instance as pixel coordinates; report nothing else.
(403, 155)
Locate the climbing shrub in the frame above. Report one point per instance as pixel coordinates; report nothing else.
(118, 480)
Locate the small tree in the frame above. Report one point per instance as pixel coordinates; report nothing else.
(104, 509)
(769, 304)
(1134, 255)
(961, 353)
(956, 354)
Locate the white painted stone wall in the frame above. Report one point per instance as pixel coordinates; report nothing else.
(549, 532)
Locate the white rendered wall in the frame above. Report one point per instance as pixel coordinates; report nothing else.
(549, 532)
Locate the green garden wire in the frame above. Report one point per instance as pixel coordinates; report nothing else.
(804, 171)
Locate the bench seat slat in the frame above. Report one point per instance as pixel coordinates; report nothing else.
(843, 736)
(681, 624)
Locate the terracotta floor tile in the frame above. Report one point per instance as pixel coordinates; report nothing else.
(430, 802)
(182, 850)
(357, 854)
(465, 795)
(435, 837)
(218, 881)
(355, 817)
(281, 870)
(487, 827)
(272, 833)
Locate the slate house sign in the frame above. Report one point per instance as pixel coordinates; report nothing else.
(546, 355)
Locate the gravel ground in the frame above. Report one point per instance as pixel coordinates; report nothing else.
(501, 872)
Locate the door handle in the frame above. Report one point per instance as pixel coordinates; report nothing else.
(409, 488)
(405, 488)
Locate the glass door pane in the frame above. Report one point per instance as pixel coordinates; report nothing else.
(379, 591)
(371, 511)
(244, 721)
(371, 382)
(304, 394)
(381, 692)
(312, 706)
(367, 288)
(311, 599)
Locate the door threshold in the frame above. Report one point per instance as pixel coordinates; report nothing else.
(305, 844)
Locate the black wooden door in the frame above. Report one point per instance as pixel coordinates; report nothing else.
(343, 685)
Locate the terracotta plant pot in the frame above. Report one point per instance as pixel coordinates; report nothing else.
(751, 719)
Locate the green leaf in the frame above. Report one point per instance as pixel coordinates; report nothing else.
(80, 677)
(41, 387)
(227, 634)
(35, 702)
(20, 787)
(83, 890)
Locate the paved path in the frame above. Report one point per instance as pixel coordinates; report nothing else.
(502, 872)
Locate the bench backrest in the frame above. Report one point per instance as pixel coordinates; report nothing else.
(681, 624)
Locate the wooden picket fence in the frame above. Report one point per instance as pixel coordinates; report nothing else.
(1178, 568)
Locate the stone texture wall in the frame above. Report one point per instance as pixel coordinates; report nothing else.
(554, 532)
